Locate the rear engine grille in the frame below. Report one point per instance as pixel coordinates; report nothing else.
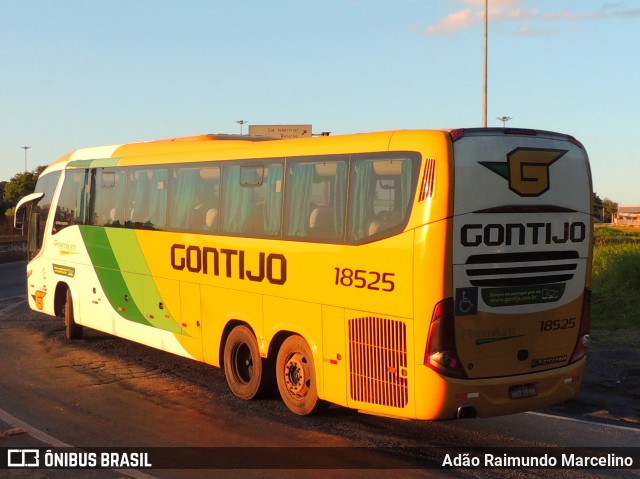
(521, 269)
(378, 361)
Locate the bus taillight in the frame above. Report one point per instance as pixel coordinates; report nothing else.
(457, 134)
(583, 336)
(441, 354)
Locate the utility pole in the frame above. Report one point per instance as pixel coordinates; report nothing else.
(25, 148)
(484, 79)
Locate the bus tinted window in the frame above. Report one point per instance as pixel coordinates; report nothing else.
(252, 198)
(109, 198)
(73, 200)
(40, 211)
(246, 197)
(316, 198)
(195, 198)
(146, 198)
(380, 194)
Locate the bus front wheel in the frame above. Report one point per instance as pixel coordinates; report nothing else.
(72, 329)
(296, 376)
(243, 364)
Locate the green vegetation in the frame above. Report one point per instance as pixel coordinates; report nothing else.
(20, 185)
(616, 279)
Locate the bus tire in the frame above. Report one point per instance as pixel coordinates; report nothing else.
(296, 376)
(73, 330)
(243, 366)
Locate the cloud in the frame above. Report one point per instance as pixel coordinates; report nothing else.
(608, 10)
(525, 30)
(453, 22)
(510, 11)
(474, 14)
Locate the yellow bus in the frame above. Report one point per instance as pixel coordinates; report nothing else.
(413, 274)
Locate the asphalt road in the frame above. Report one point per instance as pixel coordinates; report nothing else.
(103, 391)
(13, 279)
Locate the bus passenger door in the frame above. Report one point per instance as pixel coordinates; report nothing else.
(190, 319)
(334, 357)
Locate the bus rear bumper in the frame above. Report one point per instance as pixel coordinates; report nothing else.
(490, 397)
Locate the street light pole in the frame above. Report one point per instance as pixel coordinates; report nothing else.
(241, 122)
(504, 120)
(484, 79)
(25, 148)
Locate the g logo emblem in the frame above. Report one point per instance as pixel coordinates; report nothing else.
(526, 169)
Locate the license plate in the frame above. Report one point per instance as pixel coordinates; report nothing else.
(523, 391)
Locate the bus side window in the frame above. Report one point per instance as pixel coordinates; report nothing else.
(146, 199)
(109, 198)
(252, 198)
(194, 198)
(380, 194)
(268, 199)
(316, 199)
(73, 206)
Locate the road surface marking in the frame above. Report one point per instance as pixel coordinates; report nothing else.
(584, 421)
(19, 302)
(52, 441)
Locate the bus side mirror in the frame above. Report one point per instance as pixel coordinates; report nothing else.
(18, 218)
(20, 211)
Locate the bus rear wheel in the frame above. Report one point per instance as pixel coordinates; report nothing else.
(243, 364)
(72, 329)
(296, 376)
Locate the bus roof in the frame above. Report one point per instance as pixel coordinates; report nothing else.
(206, 143)
(376, 141)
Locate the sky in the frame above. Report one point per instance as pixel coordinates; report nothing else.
(79, 73)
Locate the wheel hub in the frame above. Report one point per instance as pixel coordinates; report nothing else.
(296, 375)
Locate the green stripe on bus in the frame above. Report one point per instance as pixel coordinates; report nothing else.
(111, 279)
(130, 257)
(98, 163)
(124, 244)
(125, 276)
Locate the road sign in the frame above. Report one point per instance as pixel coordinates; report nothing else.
(281, 131)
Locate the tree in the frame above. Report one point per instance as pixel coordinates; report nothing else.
(604, 209)
(3, 205)
(609, 207)
(20, 185)
(597, 206)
